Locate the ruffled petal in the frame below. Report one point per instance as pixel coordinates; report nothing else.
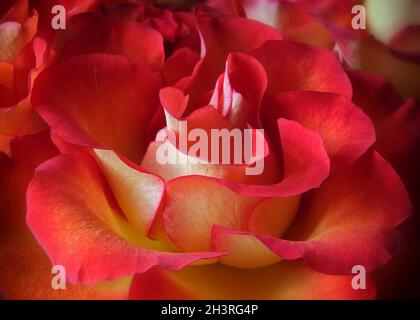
(24, 267)
(306, 67)
(345, 130)
(240, 89)
(100, 101)
(14, 36)
(194, 204)
(138, 193)
(76, 220)
(350, 220)
(300, 173)
(219, 37)
(130, 39)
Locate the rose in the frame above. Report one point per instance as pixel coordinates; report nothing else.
(121, 176)
(99, 213)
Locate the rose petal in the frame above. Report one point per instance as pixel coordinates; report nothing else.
(25, 268)
(179, 65)
(78, 224)
(99, 101)
(245, 251)
(286, 280)
(17, 11)
(219, 37)
(300, 173)
(374, 94)
(186, 162)
(174, 104)
(139, 194)
(130, 39)
(7, 99)
(26, 274)
(194, 204)
(14, 36)
(306, 67)
(274, 216)
(397, 124)
(305, 164)
(6, 75)
(346, 131)
(349, 221)
(15, 172)
(239, 91)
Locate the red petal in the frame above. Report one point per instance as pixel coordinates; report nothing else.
(397, 124)
(239, 91)
(179, 65)
(206, 118)
(24, 267)
(130, 39)
(305, 164)
(349, 221)
(295, 66)
(14, 36)
(221, 36)
(86, 100)
(346, 131)
(72, 215)
(286, 280)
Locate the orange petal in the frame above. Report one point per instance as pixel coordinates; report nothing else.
(194, 204)
(139, 194)
(285, 280)
(74, 217)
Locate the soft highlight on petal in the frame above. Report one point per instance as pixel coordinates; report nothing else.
(99, 100)
(76, 221)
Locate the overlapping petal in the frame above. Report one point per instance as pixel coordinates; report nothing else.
(339, 226)
(306, 67)
(14, 35)
(25, 268)
(116, 88)
(219, 37)
(133, 40)
(287, 280)
(75, 218)
(345, 130)
(99, 100)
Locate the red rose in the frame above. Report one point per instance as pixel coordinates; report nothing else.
(120, 82)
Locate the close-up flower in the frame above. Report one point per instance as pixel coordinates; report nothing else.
(220, 149)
